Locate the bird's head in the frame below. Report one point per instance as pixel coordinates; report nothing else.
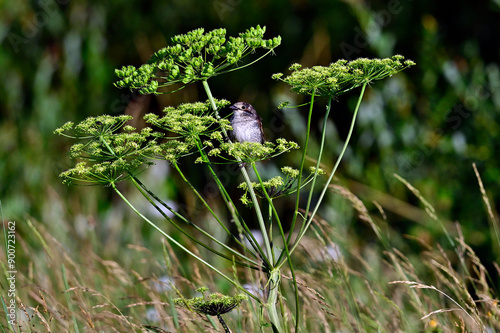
(243, 107)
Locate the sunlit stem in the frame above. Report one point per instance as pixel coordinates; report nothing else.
(260, 218)
(301, 169)
(270, 223)
(251, 63)
(274, 283)
(214, 106)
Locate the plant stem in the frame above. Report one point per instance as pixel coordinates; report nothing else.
(224, 194)
(274, 283)
(311, 191)
(270, 207)
(274, 275)
(325, 122)
(250, 63)
(223, 323)
(171, 239)
(302, 161)
(216, 217)
(260, 218)
(214, 106)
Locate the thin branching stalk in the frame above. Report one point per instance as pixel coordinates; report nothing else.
(250, 63)
(171, 239)
(251, 264)
(313, 181)
(260, 218)
(205, 203)
(230, 205)
(302, 162)
(332, 173)
(325, 122)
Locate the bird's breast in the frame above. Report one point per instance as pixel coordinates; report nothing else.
(246, 130)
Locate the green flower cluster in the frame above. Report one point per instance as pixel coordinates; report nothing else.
(189, 123)
(191, 120)
(251, 151)
(195, 126)
(213, 305)
(342, 75)
(194, 56)
(112, 151)
(277, 186)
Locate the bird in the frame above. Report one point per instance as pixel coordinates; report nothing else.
(246, 123)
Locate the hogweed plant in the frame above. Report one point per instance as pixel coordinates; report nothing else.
(213, 305)
(111, 151)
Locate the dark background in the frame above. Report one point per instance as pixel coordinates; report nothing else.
(427, 124)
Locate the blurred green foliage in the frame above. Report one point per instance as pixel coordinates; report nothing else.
(428, 124)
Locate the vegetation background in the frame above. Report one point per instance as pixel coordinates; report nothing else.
(427, 124)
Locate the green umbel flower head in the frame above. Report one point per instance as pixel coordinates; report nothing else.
(195, 56)
(111, 151)
(190, 121)
(342, 75)
(213, 305)
(252, 151)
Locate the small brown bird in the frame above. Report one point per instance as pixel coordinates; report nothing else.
(246, 123)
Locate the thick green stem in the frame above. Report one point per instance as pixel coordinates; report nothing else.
(274, 283)
(214, 106)
(270, 222)
(260, 218)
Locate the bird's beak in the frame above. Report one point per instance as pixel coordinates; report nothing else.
(233, 107)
